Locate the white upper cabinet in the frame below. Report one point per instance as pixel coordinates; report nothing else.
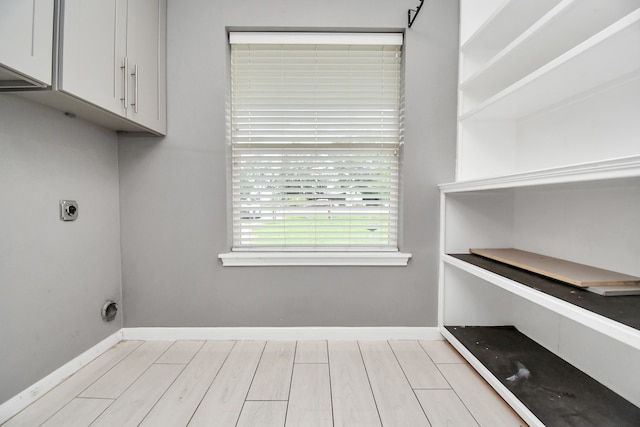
(104, 61)
(26, 43)
(112, 55)
(93, 49)
(146, 60)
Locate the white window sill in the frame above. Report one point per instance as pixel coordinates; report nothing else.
(255, 259)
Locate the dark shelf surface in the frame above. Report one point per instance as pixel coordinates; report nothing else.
(556, 392)
(622, 309)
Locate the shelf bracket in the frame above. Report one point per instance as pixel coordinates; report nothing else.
(415, 11)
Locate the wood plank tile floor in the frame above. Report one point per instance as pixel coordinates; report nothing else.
(273, 383)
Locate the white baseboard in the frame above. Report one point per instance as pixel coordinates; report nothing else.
(20, 401)
(301, 333)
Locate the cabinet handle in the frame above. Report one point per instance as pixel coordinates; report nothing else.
(125, 83)
(134, 104)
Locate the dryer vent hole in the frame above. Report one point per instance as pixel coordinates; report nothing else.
(109, 311)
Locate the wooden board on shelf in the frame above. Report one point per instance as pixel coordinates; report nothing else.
(566, 271)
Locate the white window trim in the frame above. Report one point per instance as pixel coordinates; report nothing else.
(266, 259)
(314, 258)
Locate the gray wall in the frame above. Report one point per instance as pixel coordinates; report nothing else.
(173, 190)
(54, 276)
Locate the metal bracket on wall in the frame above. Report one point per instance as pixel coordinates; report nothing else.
(415, 13)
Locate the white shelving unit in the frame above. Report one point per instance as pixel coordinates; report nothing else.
(564, 78)
(554, 86)
(570, 36)
(548, 162)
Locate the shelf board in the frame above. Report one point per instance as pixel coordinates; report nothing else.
(556, 392)
(572, 273)
(571, 22)
(602, 60)
(508, 397)
(618, 317)
(620, 168)
(506, 23)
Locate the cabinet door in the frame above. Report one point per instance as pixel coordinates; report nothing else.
(26, 39)
(146, 46)
(93, 50)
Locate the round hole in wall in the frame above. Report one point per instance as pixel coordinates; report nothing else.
(109, 311)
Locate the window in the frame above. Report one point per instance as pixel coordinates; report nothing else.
(315, 135)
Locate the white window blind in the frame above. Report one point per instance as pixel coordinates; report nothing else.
(315, 133)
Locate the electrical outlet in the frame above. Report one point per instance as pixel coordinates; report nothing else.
(68, 210)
